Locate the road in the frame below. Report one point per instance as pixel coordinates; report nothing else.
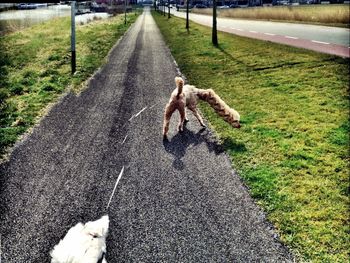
(177, 201)
(330, 40)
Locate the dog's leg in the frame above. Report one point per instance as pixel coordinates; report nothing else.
(186, 120)
(167, 115)
(199, 118)
(182, 118)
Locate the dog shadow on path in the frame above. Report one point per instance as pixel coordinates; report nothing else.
(179, 144)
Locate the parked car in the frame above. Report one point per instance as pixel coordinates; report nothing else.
(234, 6)
(200, 6)
(223, 7)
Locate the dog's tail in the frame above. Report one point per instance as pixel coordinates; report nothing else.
(179, 85)
(229, 115)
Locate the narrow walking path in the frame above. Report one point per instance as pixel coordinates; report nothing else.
(177, 201)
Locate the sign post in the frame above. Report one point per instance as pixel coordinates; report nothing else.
(73, 62)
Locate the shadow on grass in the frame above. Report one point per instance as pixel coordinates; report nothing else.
(232, 58)
(232, 145)
(179, 144)
(256, 67)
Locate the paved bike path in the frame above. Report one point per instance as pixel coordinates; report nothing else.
(177, 201)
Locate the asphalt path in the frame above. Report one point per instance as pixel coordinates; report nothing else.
(330, 40)
(177, 200)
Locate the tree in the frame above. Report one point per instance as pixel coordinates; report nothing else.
(214, 32)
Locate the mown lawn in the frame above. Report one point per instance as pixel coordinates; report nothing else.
(35, 68)
(293, 148)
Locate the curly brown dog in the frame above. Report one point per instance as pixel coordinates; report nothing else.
(187, 96)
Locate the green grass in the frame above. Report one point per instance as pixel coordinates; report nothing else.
(292, 149)
(335, 15)
(35, 68)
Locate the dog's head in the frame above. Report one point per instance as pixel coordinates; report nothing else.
(98, 228)
(234, 119)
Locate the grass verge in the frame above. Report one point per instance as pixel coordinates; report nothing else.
(35, 68)
(292, 150)
(333, 15)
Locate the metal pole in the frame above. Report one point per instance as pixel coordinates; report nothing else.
(125, 12)
(168, 8)
(187, 16)
(73, 36)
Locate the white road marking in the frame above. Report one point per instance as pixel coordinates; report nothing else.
(137, 114)
(124, 139)
(233, 28)
(115, 187)
(253, 31)
(270, 34)
(320, 42)
(291, 37)
(239, 29)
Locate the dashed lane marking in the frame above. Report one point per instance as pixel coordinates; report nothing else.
(270, 34)
(253, 32)
(291, 37)
(320, 42)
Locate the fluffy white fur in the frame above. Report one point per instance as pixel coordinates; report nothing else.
(83, 243)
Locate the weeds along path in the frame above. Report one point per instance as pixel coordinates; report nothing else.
(178, 201)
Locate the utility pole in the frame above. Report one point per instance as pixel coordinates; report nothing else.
(73, 60)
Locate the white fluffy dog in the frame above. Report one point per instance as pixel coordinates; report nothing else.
(83, 243)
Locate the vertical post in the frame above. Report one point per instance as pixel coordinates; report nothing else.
(125, 12)
(187, 18)
(214, 30)
(168, 8)
(73, 61)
